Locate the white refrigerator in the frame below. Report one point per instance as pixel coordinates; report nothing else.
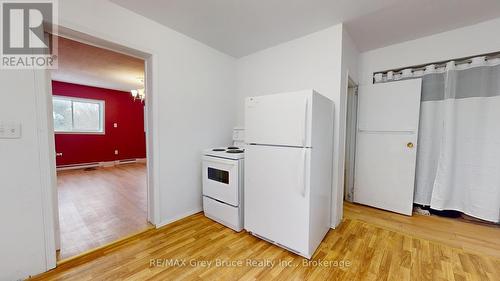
(288, 169)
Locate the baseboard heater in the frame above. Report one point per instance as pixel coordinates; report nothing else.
(100, 164)
(125, 161)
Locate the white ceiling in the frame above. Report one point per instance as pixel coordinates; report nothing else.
(241, 27)
(84, 64)
(409, 20)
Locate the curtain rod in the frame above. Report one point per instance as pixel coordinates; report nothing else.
(438, 64)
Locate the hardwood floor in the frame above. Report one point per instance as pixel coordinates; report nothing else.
(99, 206)
(469, 236)
(387, 248)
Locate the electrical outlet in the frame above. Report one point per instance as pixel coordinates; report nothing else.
(10, 130)
(115, 125)
(116, 151)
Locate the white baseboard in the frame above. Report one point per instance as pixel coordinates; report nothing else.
(179, 217)
(101, 164)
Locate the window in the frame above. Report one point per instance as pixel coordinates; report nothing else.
(75, 115)
(218, 175)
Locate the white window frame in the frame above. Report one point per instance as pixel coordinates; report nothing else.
(102, 105)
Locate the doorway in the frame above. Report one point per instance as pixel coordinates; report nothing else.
(350, 147)
(125, 180)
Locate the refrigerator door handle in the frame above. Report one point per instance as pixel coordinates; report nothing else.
(304, 123)
(304, 170)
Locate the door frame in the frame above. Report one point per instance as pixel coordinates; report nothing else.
(47, 153)
(349, 171)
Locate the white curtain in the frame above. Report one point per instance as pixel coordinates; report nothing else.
(458, 157)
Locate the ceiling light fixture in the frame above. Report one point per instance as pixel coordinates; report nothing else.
(138, 94)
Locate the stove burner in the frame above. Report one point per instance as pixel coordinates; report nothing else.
(218, 149)
(233, 147)
(235, 151)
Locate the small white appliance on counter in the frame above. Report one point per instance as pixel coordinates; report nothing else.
(222, 172)
(288, 169)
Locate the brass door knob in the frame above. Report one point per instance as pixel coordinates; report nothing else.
(409, 145)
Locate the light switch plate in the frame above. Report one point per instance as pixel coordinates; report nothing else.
(10, 130)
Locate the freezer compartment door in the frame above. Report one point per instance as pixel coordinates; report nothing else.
(277, 195)
(280, 119)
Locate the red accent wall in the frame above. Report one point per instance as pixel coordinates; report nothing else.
(128, 138)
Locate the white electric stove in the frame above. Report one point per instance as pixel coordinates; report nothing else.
(223, 185)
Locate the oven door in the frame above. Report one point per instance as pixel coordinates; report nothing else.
(221, 179)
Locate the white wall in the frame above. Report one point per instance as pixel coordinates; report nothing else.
(195, 94)
(310, 62)
(22, 240)
(463, 42)
(195, 100)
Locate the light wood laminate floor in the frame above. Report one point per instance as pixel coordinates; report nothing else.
(369, 245)
(99, 206)
(457, 233)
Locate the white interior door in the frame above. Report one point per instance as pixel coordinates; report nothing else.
(386, 149)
